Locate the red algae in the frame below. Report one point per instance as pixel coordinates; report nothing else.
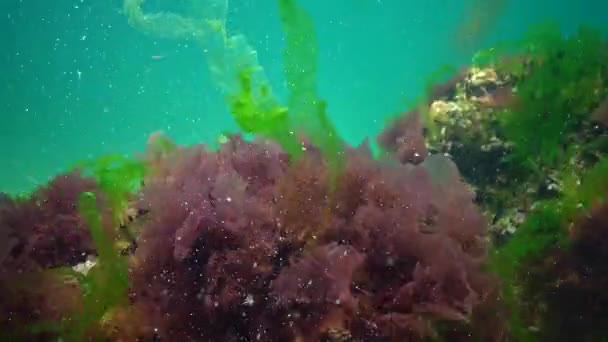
(239, 234)
(246, 243)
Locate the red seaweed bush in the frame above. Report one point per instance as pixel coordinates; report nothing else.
(41, 232)
(208, 240)
(403, 138)
(245, 244)
(45, 230)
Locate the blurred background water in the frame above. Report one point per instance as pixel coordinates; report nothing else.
(79, 82)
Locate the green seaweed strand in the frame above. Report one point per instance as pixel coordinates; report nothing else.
(308, 110)
(254, 117)
(118, 177)
(103, 287)
(106, 283)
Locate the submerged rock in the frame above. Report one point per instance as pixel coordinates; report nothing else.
(465, 123)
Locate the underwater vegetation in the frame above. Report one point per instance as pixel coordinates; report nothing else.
(526, 125)
(245, 243)
(260, 241)
(486, 219)
(52, 240)
(554, 263)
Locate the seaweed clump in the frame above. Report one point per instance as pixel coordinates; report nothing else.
(45, 230)
(61, 268)
(242, 243)
(526, 125)
(523, 116)
(246, 243)
(563, 79)
(40, 233)
(282, 240)
(552, 268)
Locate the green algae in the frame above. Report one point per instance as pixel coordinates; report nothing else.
(558, 81)
(305, 105)
(105, 286)
(233, 64)
(545, 230)
(254, 116)
(256, 111)
(118, 177)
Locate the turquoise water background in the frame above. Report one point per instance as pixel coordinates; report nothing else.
(79, 82)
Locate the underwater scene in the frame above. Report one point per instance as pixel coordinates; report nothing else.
(304, 170)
